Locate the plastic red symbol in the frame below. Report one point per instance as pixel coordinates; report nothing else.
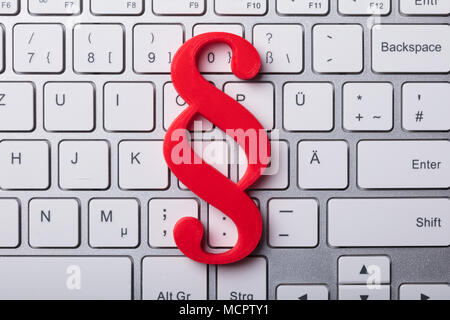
(201, 178)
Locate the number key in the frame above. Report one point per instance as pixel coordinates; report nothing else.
(217, 57)
(39, 48)
(155, 46)
(94, 52)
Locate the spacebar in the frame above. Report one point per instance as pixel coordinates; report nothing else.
(416, 222)
(65, 278)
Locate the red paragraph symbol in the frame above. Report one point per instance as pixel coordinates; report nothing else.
(201, 178)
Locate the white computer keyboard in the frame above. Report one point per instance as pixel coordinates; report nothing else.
(355, 95)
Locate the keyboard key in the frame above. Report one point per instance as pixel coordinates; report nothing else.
(9, 7)
(409, 164)
(174, 105)
(9, 223)
(142, 166)
(17, 106)
(179, 7)
(69, 106)
(419, 48)
(113, 223)
(257, 97)
(368, 106)
(241, 7)
(54, 223)
(414, 7)
(94, 52)
(358, 292)
(25, 164)
(74, 278)
(2, 49)
(39, 48)
(364, 7)
(276, 176)
(302, 292)
(245, 280)
(174, 278)
(369, 270)
(154, 46)
(54, 7)
(338, 48)
(279, 54)
(289, 7)
(308, 106)
(418, 222)
(426, 106)
(323, 164)
(129, 106)
(216, 58)
(117, 7)
(222, 232)
(84, 165)
(293, 223)
(425, 292)
(163, 214)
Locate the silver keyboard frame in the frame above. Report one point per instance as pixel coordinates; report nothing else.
(285, 266)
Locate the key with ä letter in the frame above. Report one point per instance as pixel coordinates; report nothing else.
(201, 178)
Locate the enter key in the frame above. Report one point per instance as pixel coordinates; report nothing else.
(408, 164)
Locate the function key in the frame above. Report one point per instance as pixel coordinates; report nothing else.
(364, 7)
(2, 48)
(54, 7)
(292, 7)
(241, 7)
(179, 7)
(9, 7)
(117, 7)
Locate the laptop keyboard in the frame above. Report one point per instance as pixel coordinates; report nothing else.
(355, 96)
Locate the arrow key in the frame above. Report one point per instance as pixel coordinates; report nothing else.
(302, 292)
(372, 270)
(425, 292)
(365, 292)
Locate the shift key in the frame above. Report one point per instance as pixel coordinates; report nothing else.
(408, 164)
(65, 278)
(413, 48)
